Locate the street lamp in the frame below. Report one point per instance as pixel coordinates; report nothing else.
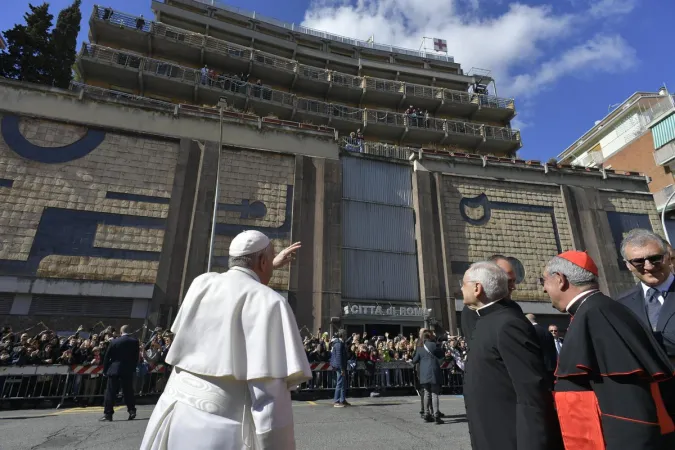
(663, 215)
(222, 103)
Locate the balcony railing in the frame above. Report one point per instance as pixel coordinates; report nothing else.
(502, 134)
(342, 79)
(236, 86)
(313, 73)
(180, 108)
(665, 154)
(375, 148)
(378, 84)
(324, 35)
(661, 197)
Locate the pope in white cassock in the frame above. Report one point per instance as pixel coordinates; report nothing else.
(236, 356)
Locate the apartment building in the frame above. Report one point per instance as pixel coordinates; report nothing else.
(637, 136)
(198, 52)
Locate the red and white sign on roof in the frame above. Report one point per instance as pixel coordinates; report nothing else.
(440, 45)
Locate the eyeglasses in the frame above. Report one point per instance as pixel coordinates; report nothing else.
(639, 263)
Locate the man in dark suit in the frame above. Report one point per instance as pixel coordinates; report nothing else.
(557, 340)
(547, 348)
(119, 366)
(647, 256)
(653, 298)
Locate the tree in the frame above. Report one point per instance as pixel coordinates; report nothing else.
(64, 44)
(37, 55)
(27, 56)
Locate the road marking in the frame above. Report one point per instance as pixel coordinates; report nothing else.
(91, 410)
(312, 403)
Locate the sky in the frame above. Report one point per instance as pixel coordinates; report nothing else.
(566, 62)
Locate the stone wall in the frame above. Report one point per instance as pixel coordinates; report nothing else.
(522, 221)
(256, 192)
(82, 203)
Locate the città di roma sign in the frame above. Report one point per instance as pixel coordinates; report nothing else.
(377, 310)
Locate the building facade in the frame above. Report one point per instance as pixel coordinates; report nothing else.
(635, 136)
(109, 188)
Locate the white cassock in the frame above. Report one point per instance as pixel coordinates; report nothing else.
(237, 354)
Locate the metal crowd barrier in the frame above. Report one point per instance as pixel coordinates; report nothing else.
(395, 375)
(86, 385)
(79, 384)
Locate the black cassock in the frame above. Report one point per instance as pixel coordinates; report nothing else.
(609, 377)
(508, 402)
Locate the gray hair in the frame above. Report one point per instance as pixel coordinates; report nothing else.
(245, 261)
(639, 237)
(494, 280)
(124, 329)
(576, 275)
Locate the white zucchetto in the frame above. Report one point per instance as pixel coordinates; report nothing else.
(248, 242)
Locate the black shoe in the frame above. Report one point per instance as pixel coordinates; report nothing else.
(132, 415)
(422, 414)
(440, 414)
(428, 418)
(439, 421)
(105, 419)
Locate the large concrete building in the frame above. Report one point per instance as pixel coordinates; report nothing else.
(109, 188)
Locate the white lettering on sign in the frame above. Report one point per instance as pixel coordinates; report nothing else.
(377, 310)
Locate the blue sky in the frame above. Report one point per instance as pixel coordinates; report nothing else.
(564, 61)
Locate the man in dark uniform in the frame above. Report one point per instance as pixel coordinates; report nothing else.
(509, 405)
(607, 390)
(468, 315)
(119, 366)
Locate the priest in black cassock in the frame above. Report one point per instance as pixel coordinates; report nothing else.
(607, 390)
(508, 403)
(468, 316)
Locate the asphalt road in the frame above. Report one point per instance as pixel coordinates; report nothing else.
(371, 423)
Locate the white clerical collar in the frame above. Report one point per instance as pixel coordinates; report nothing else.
(583, 295)
(248, 272)
(663, 287)
(126, 334)
(486, 306)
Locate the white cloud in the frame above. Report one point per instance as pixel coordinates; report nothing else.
(607, 8)
(522, 45)
(608, 54)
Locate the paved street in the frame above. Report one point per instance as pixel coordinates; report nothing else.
(384, 423)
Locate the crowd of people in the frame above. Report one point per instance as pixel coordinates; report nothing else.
(48, 347)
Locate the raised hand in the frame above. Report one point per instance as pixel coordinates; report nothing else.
(286, 255)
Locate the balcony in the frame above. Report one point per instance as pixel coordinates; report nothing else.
(661, 197)
(178, 44)
(187, 84)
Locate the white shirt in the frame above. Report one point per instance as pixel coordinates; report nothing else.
(485, 306)
(580, 296)
(663, 287)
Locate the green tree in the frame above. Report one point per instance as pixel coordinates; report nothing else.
(28, 53)
(64, 44)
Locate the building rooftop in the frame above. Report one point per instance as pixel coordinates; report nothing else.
(322, 34)
(648, 102)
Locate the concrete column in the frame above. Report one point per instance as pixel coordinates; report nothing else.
(167, 289)
(202, 214)
(591, 233)
(315, 278)
(431, 256)
(444, 265)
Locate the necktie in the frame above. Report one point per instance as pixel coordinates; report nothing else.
(653, 307)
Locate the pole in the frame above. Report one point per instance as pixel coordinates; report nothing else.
(663, 215)
(215, 200)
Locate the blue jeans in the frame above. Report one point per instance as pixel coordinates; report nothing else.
(340, 389)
